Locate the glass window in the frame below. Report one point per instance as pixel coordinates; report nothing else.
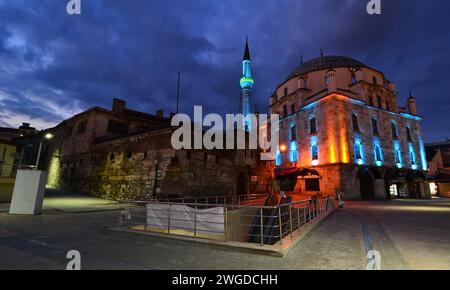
(408, 134)
(294, 152)
(293, 133)
(412, 155)
(312, 184)
(278, 159)
(374, 126)
(377, 153)
(314, 152)
(358, 153)
(394, 130)
(312, 126)
(355, 122)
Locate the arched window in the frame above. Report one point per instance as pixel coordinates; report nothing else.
(358, 151)
(394, 130)
(397, 156)
(293, 154)
(286, 91)
(293, 108)
(314, 152)
(327, 80)
(408, 134)
(278, 159)
(285, 111)
(305, 84)
(293, 132)
(312, 126)
(371, 100)
(374, 80)
(374, 126)
(412, 155)
(379, 102)
(355, 122)
(377, 153)
(354, 80)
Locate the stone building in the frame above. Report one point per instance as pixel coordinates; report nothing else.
(341, 125)
(438, 156)
(12, 133)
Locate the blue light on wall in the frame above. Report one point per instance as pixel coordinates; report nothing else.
(278, 160)
(293, 152)
(423, 157)
(359, 151)
(314, 151)
(398, 154)
(412, 156)
(377, 152)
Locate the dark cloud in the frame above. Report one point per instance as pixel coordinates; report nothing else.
(53, 64)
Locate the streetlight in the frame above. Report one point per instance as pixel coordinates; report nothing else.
(47, 136)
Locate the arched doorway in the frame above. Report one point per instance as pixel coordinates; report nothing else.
(366, 182)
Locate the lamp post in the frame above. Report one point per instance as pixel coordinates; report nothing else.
(47, 136)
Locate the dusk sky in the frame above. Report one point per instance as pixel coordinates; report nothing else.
(53, 65)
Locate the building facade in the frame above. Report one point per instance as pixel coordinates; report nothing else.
(340, 120)
(438, 156)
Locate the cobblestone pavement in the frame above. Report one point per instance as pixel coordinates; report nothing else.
(408, 234)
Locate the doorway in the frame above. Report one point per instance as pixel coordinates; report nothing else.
(366, 183)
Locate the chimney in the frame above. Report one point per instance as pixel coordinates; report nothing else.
(118, 105)
(160, 113)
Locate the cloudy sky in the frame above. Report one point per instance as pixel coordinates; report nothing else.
(53, 65)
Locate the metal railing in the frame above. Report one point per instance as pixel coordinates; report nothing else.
(257, 224)
(249, 199)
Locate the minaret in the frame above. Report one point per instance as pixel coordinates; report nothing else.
(246, 85)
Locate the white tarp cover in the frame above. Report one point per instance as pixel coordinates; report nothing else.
(209, 220)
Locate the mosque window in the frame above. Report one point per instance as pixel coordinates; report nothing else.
(412, 155)
(293, 151)
(358, 150)
(377, 153)
(278, 159)
(293, 133)
(312, 126)
(394, 130)
(355, 122)
(314, 152)
(379, 102)
(374, 126)
(408, 134)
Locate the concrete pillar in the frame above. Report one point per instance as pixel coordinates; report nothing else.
(28, 194)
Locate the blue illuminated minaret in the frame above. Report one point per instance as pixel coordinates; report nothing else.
(246, 85)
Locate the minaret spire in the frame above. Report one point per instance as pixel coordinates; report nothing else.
(246, 83)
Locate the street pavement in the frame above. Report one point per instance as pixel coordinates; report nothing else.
(409, 234)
